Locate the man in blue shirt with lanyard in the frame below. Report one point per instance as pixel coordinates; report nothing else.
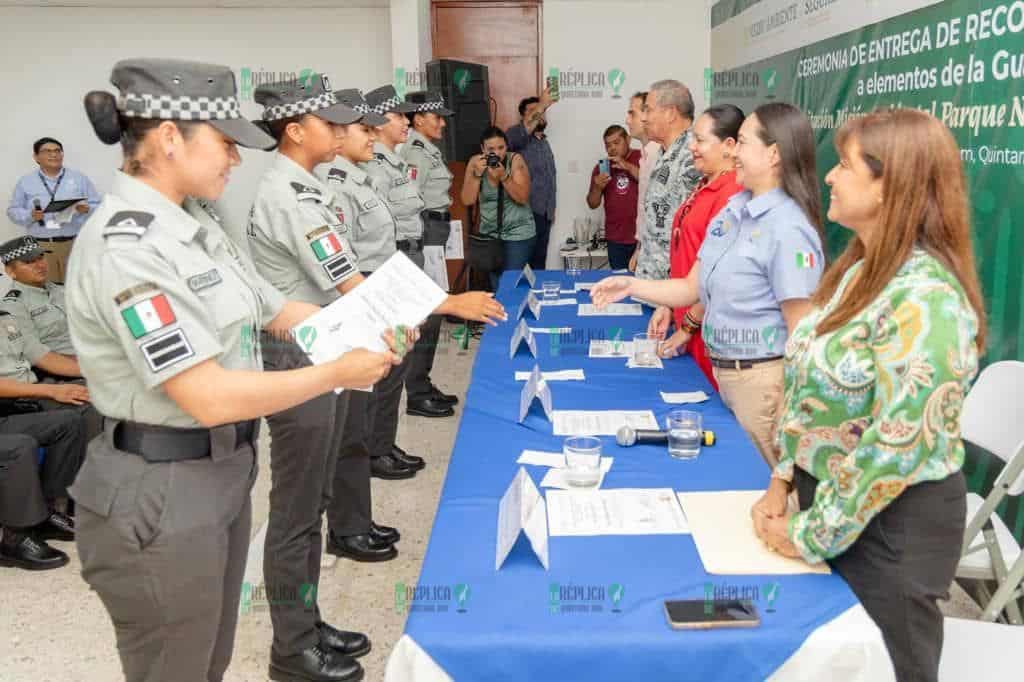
(34, 192)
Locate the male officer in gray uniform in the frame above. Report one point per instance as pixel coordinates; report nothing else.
(300, 243)
(430, 173)
(37, 305)
(27, 490)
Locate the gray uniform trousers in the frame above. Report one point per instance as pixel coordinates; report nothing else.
(421, 361)
(305, 441)
(387, 395)
(902, 562)
(164, 546)
(350, 509)
(24, 486)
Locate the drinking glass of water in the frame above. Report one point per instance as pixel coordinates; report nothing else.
(575, 263)
(684, 434)
(582, 461)
(551, 290)
(645, 350)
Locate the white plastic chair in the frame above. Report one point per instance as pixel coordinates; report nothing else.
(993, 418)
(973, 650)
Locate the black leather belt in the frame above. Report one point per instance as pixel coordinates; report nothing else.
(170, 444)
(54, 239)
(438, 215)
(407, 245)
(742, 364)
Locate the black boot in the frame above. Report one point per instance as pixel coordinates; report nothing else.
(57, 526)
(384, 534)
(21, 550)
(390, 468)
(360, 548)
(354, 644)
(412, 461)
(315, 664)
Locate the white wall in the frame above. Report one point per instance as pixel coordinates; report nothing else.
(648, 41)
(53, 55)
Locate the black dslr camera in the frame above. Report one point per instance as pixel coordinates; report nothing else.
(493, 160)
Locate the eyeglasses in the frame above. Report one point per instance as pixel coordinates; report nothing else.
(58, 152)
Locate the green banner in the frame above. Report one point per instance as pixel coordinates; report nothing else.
(961, 60)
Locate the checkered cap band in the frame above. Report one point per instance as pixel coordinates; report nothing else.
(142, 105)
(430, 106)
(387, 105)
(361, 108)
(303, 106)
(27, 246)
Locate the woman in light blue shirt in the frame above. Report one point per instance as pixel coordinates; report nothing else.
(760, 262)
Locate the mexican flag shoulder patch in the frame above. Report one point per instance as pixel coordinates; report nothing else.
(148, 316)
(325, 246)
(804, 259)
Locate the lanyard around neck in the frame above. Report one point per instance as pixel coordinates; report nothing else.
(53, 192)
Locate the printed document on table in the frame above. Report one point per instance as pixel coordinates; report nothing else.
(684, 398)
(601, 422)
(589, 309)
(620, 511)
(556, 375)
(541, 458)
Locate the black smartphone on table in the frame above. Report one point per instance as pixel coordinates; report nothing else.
(701, 614)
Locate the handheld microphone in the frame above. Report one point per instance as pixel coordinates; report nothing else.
(38, 207)
(627, 436)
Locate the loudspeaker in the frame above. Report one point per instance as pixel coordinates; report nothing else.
(466, 91)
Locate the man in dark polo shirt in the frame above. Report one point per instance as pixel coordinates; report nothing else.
(529, 139)
(616, 185)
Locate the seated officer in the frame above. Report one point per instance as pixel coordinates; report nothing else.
(37, 305)
(29, 492)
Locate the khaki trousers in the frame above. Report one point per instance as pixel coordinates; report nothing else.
(57, 255)
(754, 395)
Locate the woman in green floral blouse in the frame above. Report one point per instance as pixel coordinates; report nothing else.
(875, 378)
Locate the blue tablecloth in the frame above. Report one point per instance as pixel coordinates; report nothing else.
(514, 624)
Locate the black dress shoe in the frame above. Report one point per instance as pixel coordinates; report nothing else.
(315, 664)
(56, 527)
(390, 468)
(353, 644)
(428, 407)
(384, 533)
(435, 392)
(412, 461)
(21, 550)
(360, 548)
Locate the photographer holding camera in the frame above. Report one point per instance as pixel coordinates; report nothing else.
(500, 181)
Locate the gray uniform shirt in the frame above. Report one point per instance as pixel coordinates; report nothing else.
(372, 227)
(154, 289)
(17, 350)
(298, 241)
(429, 171)
(42, 314)
(392, 177)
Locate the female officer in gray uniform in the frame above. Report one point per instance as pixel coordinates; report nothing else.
(373, 238)
(301, 245)
(434, 181)
(163, 310)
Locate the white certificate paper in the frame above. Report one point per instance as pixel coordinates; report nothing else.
(601, 423)
(612, 309)
(398, 293)
(619, 511)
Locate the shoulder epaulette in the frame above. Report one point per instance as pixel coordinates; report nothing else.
(418, 143)
(303, 192)
(133, 223)
(337, 174)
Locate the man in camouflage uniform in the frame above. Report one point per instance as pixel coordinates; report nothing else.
(669, 121)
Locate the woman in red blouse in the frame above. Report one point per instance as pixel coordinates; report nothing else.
(713, 148)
